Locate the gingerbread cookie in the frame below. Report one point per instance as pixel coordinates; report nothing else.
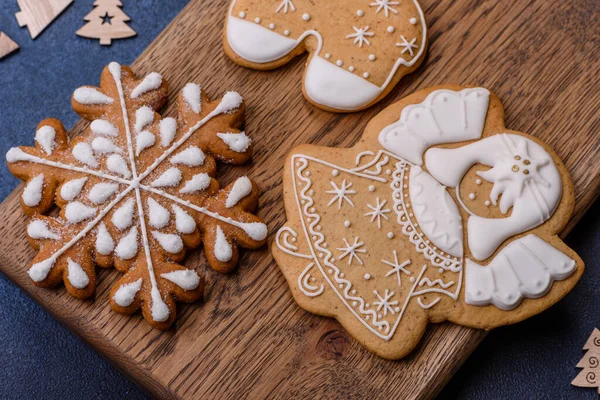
(359, 49)
(137, 191)
(438, 213)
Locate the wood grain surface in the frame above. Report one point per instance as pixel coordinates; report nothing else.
(248, 339)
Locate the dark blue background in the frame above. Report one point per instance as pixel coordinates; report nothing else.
(39, 358)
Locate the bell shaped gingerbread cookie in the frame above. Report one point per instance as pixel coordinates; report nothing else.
(439, 213)
(359, 49)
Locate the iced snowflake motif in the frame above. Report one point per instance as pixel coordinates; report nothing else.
(397, 268)
(407, 46)
(511, 174)
(378, 212)
(138, 213)
(341, 193)
(386, 6)
(385, 303)
(360, 36)
(285, 4)
(351, 250)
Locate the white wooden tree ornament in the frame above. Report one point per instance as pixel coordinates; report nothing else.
(38, 14)
(106, 22)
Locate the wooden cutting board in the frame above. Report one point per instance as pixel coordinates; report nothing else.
(248, 338)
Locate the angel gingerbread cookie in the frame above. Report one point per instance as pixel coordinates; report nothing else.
(358, 49)
(137, 191)
(438, 213)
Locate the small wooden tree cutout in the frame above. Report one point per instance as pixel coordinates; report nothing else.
(590, 375)
(106, 22)
(38, 14)
(7, 45)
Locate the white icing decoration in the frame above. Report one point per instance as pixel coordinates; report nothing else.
(83, 152)
(378, 211)
(341, 193)
(183, 221)
(104, 242)
(386, 6)
(231, 101)
(158, 215)
(169, 178)
(91, 96)
(160, 311)
(192, 96)
(105, 146)
(127, 247)
(385, 302)
(351, 250)
(526, 267)
(122, 218)
(533, 196)
(285, 5)
(397, 267)
(360, 13)
(117, 164)
(38, 229)
(144, 140)
(125, 295)
(198, 183)
(46, 137)
(104, 128)
(169, 242)
(101, 192)
(306, 17)
(413, 21)
(168, 128)
(237, 142)
(39, 271)
(32, 194)
(76, 212)
(360, 36)
(223, 250)
(192, 157)
(391, 29)
(185, 279)
(241, 188)
(71, 189)
(325, 83)
(445, 116)
(436, 212)
(16, 154)
(407, 46)
(151, 82)
(144, 116)
(77, 275)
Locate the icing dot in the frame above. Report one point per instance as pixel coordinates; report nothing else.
(441, 270)
(257, 20)
(242, 14)
(412, 279)
(307, 173)
(330, 271)
(367, 317)
(313, 279)
(353, 291)
(342, 275)
(367, 276)
(306, 17)
(354, 303)
(397, 309)
(390, 235)
(413, 21)
(272, 26)
(312, 210)
(341, 285)
(472, 196)
(351, 69)
(339, 63)
(327, 55)
(487, 203)
(372, 57)
(286, 32)
(366, 75)
(347, 224)
(478, 182)
(335, 172)
(371, 188)
(360, 13)
(391, 29)
(320, 255)
(388, 171)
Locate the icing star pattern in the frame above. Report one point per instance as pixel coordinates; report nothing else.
(360, 36)
(386, 6)
(341, 193)
(378, 211)
(407, 46)
(351, 250)
(397, 268)
(285, 5)
(384, 302)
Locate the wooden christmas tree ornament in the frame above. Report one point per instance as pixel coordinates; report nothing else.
(589, 377)
(38, 14)
(7, 45)
(106, 22)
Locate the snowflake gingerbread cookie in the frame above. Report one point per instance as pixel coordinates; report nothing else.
(136, 191)
(438, 213)
(359, 49)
